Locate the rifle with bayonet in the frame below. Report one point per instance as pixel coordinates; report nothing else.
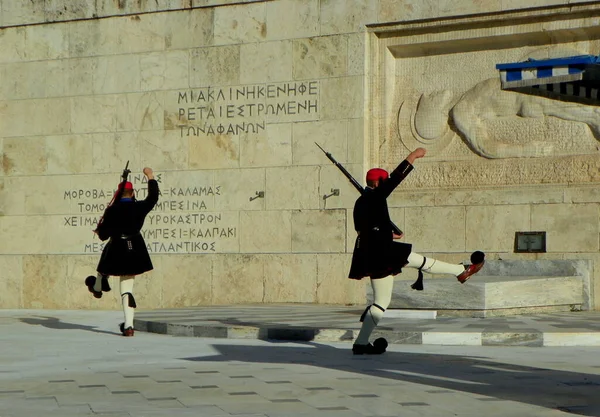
(355, 183)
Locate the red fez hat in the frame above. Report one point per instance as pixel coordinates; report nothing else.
(128, 185)
(377, 174)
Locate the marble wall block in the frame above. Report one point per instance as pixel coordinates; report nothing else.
(237, 279)
(45, 194)
(27, 80)
(92, 38)
(213, 151)
(58, 10)
(492, 228)
(201, 188)
(117, 74)
(164, 70)
(398, 10)
(35, 117)
(569, 227)
(331, 135)
(356, 142)
(215, 66)
(140, 112)
(24, 155)
(165, 150)
(93, 114)
(12, 44)
(333, 284)
(187, 280)
(238, 186)
(19, 13)
(290, 278)
(44, 42)
(320, 57)
(318, 231)
(79, 73)
(291, 19)
(582, 194)
(244, 23)
(332, 179)
(346, 16)
(506, 195)
(292, 188)
(265, 231)
(44, 281)
(401, 198)
(435, 229)
(266, 62)
(271, 147)
(11, 284)
(356, 53)
(12, 195)
(108, 8)
(111, 151)
(198, 25)
(341, 98)
(69, 154)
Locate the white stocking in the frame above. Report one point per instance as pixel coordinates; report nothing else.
(433, 266)
(126, 286)
(382, 296)
(98, 283)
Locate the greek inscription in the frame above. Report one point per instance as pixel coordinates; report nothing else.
(179, 223)
(209, 111)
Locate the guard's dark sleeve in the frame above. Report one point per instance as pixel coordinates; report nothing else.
(105, 228)
(396, 177)
(152, 198)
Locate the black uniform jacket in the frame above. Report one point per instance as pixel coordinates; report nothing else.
(376, 254)
(126, 252)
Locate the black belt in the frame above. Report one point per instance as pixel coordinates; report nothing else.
(127, 237)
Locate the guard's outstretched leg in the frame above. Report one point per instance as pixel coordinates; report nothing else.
(382, 296)
(434, 266)
(129, 304)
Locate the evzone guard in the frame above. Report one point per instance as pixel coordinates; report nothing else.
(379, 256)
(125, 254)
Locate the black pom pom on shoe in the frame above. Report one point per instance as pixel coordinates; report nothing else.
(477, 257)
(380, 344)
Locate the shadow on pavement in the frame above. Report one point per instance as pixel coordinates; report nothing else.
(566, 391)
(54, 323)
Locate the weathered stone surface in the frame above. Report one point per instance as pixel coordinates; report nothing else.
(318, 231)
(290, 278)
(290, 19)
(11, 284)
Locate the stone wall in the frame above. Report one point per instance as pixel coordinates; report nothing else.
(225, 99)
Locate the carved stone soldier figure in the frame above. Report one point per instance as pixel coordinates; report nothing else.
(378, 256)
(125, 254)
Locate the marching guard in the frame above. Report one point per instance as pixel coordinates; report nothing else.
(125, 254)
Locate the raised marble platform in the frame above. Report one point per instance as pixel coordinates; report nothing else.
(502, 288)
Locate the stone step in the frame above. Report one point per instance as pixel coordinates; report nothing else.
(490, 293)
(501, 288)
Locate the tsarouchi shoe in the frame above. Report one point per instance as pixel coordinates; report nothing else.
(90, 282)
(368, 349)
(477, 262)
(126, 331)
